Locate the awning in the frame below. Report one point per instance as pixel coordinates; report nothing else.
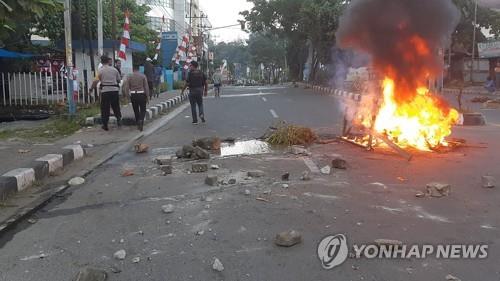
(13, 55)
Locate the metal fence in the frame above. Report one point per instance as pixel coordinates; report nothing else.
(36, 88)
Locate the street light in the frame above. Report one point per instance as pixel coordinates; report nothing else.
(473, 43)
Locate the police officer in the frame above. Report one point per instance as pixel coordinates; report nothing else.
(109, 79)
(198, 87)
(136, 87)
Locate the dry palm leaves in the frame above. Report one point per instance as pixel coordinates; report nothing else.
(291, 135)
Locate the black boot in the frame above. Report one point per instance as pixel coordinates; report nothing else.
(140, 126)
(105, 127)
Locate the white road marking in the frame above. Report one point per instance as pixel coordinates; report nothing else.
(273, 113)
(245, 95)
(311, 165)
(264, 99)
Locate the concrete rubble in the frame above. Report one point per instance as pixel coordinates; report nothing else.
(91, 274)
(208, 143)
(199, 167)
(339, 163)
(288, 238)
(488, 181)
(436, 189)
(164, 160)
(76, 181)
(168, 209)
(211, 180)
(166, 169)
(141, 148)
(326, 170)
(217, 265)
(120, 255)
(255, 174)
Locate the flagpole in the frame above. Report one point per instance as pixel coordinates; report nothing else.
(473, 43)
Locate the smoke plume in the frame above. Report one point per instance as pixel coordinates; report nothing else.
(403, 37)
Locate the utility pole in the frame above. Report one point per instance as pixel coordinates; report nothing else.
(100, 40)
(113, 27)
(69, 56)
(473, 44)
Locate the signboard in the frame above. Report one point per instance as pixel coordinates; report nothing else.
(489, 49)
(168, 46)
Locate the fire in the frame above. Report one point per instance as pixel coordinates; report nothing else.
(421, 122)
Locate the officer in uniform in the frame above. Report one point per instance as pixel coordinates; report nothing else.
(109, 79)
(136, 87)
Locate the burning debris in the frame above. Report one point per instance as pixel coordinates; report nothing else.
(403, 40)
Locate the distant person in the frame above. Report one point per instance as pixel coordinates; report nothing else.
(118, 66)
(217, 79)
(198, 87)
(489, 85)
(149, 71)
(109, 79)
(158, 72)
(497, 76)
(136, 87)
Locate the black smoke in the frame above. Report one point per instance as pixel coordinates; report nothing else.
(386, 30)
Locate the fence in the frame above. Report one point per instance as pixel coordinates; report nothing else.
(36, 88)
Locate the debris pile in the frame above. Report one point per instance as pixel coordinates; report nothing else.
(289, 135)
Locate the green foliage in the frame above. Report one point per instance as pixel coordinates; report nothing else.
(178, 85)
(233, 52)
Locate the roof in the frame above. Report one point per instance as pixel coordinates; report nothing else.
(107, 44)
(13, 55)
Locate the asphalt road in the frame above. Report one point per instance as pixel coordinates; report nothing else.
(374, 198)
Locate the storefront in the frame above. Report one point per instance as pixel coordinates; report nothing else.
(491, 51)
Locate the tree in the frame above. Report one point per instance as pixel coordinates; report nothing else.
(232, 52)
(18, 16)
(266, 49)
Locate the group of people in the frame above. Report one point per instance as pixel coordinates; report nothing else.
(139, 89)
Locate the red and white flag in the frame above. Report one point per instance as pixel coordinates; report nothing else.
(125, 38)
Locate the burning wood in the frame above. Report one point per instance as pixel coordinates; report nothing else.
(399, 109)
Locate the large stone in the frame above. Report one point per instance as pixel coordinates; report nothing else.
(166, 169)
(76, 181)
(209, 143)
(168, 209)
(326, 170)
(255, 174)
(187, 151)
(217, 265)
(298, 150)
(436, 189)
(488, 181)
(339, 163)
(141, 148)
(232, 181)
(164, 160)
(199, 167)
(120, 255)
(288, 238)
(211, 180)
(200, 153)
(91, 274)
(285, 177)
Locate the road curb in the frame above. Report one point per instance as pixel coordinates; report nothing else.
(334, 92)
(152, 112)
(19, 179)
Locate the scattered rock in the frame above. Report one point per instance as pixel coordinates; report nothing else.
(339, 163)
(23, 151)
(255, 174)
(420, 195)
(288, 238)
(128, 172)
(185, 152)
(211, 180)
(229, 140)
(299, 150)
(32, 220)
(217, 265)
(326, 170)
(168, 209)
(285, 186)
(120, 255)
(209, 143)
(285, 177)
(232, 181)
(388, 242)
(209, 199)
(488, 181)
(76, 181)
(141, 148)
(247, 192)
(136, 260)
(166, 169)
(199, 167)
(450, 277)
(200, 153)
(436, 189)
(164, 160)
(91, 274)
(214, 167)
(305, 176)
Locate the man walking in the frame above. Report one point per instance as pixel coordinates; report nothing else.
(198, 87)
(110, 86)
(149, 71)
(136, 87)
(217, 79)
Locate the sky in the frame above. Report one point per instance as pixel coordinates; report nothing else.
(225, 12)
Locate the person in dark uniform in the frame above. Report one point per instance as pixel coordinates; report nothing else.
(109, 79)
(136, 87)
(198, 87)
(149, 71)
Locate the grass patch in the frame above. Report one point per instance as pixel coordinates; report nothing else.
(57, 126)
